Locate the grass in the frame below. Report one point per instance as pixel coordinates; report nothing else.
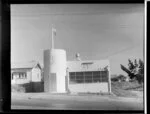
(17, 88)
(124, 89)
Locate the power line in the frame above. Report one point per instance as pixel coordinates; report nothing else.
(121, 51)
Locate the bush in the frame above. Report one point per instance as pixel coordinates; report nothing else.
(17, 88)
(135, 70)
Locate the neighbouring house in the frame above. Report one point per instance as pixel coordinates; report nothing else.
(29, 73)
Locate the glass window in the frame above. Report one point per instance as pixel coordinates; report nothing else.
(72, 77)
(87, 73)
(79, 77)
(79, 81)
(12, 76)
(96, 80)
(88, 80)
(79, 73)
(88, 77)
(96, 72)
(72, 73)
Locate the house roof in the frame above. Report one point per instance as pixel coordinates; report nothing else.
(31, 64)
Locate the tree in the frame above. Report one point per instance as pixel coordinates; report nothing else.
(135, 70)
(130, 74)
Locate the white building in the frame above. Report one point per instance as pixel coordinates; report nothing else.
(89, 76)
(22, 73)
(62, 76)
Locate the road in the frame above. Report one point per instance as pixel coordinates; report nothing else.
(74, 102)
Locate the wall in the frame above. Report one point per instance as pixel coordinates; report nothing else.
(22, 81)
(58, 66)
(36, 74)
(91, 87)
(89, 65)
(46, 70)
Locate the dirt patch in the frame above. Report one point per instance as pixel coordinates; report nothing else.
(127, 89)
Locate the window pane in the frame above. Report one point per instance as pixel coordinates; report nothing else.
(80, 81)
(96, 80)
(25, 75)
(79, 77)
(88, 77)
(79, 73)
(88, 81)
(96, 76)
(87, 73)
(72, 77)
(96, 72)
(71, 73)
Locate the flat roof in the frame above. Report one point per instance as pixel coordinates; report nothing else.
(87, 65)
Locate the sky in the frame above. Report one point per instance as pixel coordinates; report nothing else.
(96, 31)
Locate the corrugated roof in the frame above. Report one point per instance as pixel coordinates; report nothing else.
(24, 65)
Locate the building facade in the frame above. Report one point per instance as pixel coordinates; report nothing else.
(89, 76)
(78, 76)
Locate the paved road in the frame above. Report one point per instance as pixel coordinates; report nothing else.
(65, 102)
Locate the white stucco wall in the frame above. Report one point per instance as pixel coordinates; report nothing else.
(58, 66)
(46, 70)
(89, 87)
(55, 62)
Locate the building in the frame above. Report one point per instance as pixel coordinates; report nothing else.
(92, 76)
(61, 76)
(25, 72)
(55, 70)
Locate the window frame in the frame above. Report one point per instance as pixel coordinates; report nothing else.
(88, 77)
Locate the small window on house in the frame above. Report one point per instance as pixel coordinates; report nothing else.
(38, 76)
(22, 75)
(12, 76)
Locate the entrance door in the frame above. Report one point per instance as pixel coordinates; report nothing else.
(53, 86)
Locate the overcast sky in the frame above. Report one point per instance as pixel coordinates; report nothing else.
(96, 31)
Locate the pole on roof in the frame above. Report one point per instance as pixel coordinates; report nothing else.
(53, 34)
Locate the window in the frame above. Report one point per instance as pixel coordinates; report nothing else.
(12, 76)
(19, 75)
(79, 77)
(88, 77)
